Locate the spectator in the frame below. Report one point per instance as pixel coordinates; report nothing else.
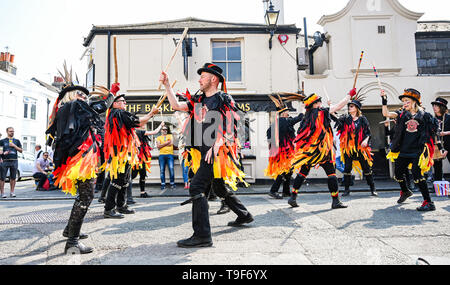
(41, 169)
(38, 151)
(10, 148)
(165, 146)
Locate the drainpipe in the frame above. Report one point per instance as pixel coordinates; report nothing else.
(109, 60)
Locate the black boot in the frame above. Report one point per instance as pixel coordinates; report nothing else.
(112, 214)
(370, 182)
(224, 209)
(125, 210)
(426, 207)
(403, 196)
(337, 204)
(73, 246)
(195, 242)
(240, 221)
(373, 190)
(66, 234)
(293, 200)
(347, 182)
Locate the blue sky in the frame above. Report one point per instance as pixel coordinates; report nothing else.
(43, 33)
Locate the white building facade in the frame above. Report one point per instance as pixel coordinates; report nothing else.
(386, 32)
(24, 105)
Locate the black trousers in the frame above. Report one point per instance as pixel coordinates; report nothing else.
(117, 190)
(142, 174)
(401, 168)
(438, 172)
(367, 171)
(330, 170)
(284, 179)
(201, 183)
(235, 205)
(101, 175)
(80, 207)
(42, 178)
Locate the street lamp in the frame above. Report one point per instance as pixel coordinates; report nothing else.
(272, 20)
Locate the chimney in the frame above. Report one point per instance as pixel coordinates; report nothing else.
(6, 63)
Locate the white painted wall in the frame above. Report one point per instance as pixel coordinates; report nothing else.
(12, 93)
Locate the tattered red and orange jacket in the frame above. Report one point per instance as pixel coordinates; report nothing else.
(121, 145)
(281, 137)
(76, 154)
(226, 163)
(314, 142)
(351, 136)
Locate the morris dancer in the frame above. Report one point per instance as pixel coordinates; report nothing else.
(440, 112)
(314, 146)
(413, 143)
(281, 135)
(211, 141)
(72, 131)
(145, 156)
(354, 132)
(122, 154)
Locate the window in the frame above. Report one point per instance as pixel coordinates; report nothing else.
(228, 55)
(29, 108)
(382, 29)
(28, 143)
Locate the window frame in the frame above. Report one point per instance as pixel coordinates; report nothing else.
(226, 61)
(29, 103)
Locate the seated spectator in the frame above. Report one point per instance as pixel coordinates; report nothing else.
(41, 170)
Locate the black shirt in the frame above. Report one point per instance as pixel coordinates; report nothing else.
(206, 122)
(12, 155)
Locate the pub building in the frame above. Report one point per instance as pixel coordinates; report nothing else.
(255, 64)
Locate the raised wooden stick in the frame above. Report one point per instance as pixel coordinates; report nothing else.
(161, 100)
(116, 68)
(179, 45)
(378, 77)
(357, 71)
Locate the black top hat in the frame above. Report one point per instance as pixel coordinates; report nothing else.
(311, 100)
(115, 100)
(356, 103)
(411, 93)
(70, 88)
(440, 101)
(213, 69)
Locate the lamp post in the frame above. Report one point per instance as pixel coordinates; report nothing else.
(272, 20)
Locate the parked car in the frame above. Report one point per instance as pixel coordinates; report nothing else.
(26, 166)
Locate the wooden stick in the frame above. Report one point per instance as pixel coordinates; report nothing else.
(357, 71)
(179, 45)
(378, 77)
(116, 68)
(161, 100)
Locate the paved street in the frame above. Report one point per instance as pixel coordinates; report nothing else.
(370, 231)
